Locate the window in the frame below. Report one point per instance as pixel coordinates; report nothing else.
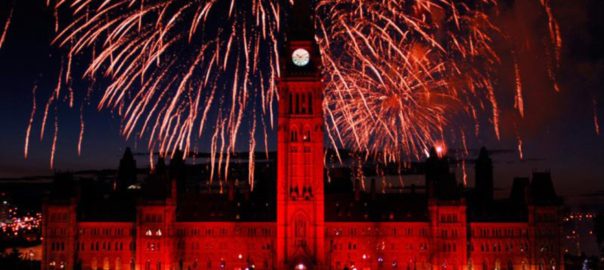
(291, 103)
(310, 103)
(297, 107)
(306, 136)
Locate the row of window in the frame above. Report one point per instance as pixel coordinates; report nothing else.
(300, 103)
(449, 233)
(305, 136)
(106, 231)
(224, 232)
(104, 246)
(155, 218)
(449, 218)
(56, 232)
(382, 246)
(306, 149)
(499, 232)
(58, 217)
(500, 247)
(57, 246)
(375, 231)
(182, 245)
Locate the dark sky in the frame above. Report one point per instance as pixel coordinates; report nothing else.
(558, 131)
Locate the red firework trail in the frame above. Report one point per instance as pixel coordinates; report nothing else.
(397, 73)
(6, 26)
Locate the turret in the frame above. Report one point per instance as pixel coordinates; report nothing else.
(126, 172)
(177, 173)
(59, 224)
(542, 189)
(439, 181)
(520, 188)
(484, 177)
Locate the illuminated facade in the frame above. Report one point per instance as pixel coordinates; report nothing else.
(304, 227)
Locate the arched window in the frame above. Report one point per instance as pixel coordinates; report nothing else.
(303, 104)
(291, 103)
(310, 103)
(306, 136)
(300, 227)
(297, 107)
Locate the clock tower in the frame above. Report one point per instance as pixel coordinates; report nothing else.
(300, 197)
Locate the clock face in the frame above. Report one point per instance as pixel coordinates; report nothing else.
(300, 57)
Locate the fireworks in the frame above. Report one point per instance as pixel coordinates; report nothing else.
(399, 74)
(175, 69)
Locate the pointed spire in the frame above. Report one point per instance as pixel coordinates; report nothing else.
(484, 176)
(300, 24)
(484, 153)
(160, 166)
(126, 174)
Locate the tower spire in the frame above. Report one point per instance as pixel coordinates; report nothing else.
(300, 197)
(300, 24)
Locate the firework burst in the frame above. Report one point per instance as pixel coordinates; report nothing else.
(175, 69)
(398, 73)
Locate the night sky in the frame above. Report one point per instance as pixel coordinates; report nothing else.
(558, 131)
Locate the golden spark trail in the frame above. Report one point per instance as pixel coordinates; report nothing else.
(81, 134)
(6, 26)
(55, 136)
(520, 151)
(519, 100)
(30, 122)
(596, 119)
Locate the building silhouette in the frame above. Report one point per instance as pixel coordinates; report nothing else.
(297, 220)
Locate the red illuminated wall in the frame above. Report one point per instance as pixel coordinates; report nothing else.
(436, 244)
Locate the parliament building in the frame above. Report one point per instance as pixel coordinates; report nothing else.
(294, 218)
